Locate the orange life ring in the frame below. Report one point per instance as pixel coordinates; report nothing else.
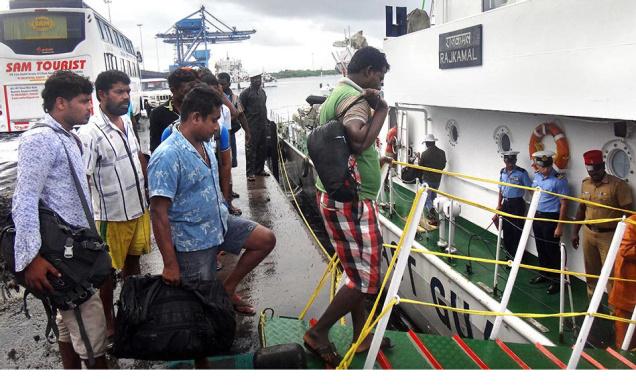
(563, 149)
(391, 141)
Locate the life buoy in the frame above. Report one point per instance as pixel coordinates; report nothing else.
(563, 149)
(391, 142)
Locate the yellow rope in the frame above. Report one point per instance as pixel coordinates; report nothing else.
(509, 263)
(491, 181)
(507, 215)
(346, 361)
(490, 313)
(280, 157)
(332, 264)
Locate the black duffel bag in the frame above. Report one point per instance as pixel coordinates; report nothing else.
(156, 321)
(329, 150)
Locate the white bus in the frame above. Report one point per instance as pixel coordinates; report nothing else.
(40, 37)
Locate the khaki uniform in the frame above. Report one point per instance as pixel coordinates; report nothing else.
(611, 191)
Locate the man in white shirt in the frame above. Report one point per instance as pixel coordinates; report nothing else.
(116, 170)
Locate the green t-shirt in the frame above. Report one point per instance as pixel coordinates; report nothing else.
(368, 161)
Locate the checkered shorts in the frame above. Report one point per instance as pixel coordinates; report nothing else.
(354, 231)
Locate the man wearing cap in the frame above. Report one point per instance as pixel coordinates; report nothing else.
(435, 158)
(548, 234)
(254, 102)
(602, 188)
(511, 200)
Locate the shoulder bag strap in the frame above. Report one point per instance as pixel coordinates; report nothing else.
(341, 115)
(78, 186)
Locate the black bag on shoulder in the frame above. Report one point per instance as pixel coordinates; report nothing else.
(156, 321)
(78, 253)
(330, 151)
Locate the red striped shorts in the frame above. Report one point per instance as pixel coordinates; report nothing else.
(355, 233)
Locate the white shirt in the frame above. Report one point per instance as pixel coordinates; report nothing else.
(112, 161)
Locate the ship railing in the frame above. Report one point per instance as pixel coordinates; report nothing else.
(404, 247)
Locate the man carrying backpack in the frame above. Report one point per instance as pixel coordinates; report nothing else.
(189, 217)
(353, 227)
(44, 174)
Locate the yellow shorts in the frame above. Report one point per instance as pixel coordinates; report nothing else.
(126, 238)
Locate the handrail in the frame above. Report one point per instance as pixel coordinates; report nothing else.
(492, 181)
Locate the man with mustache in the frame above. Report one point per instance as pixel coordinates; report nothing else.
(116, 171)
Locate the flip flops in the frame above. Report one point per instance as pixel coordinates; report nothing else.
(242, 307)
(326, 353)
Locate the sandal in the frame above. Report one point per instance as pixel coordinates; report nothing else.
(384, 345)
(251, 178)
(327, 354)
(235, 211)
(235, 195)
(242, 307)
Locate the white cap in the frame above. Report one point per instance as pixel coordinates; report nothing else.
(509, 153)
(430, 138)
(543, 154)
(255, 73)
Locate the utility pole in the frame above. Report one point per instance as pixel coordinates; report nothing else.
(108, 2)
(141, 46)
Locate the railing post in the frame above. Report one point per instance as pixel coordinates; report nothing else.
(629, 334)
(403, 258)
(598, 295)
(561, 291)
(495, 279)
(525, 234)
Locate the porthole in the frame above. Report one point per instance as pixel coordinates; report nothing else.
(503, 139)
(452, 130)
(618, 159)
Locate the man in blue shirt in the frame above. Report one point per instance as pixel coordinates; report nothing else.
(189, 215)
(511, 201)
(548, 234)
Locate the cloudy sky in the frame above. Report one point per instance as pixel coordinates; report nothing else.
(290, 34)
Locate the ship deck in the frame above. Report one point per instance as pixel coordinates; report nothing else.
(474, 241)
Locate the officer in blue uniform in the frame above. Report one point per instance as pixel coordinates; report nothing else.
(511, 200)
(548, 234)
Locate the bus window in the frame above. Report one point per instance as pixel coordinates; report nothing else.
(39, 33)
(101, 29)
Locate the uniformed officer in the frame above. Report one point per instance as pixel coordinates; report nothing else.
(601, 188)
(548, 234)
(511, 200)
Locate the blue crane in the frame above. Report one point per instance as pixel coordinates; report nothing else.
(196, 29)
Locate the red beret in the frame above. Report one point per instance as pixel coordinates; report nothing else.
(593, 157)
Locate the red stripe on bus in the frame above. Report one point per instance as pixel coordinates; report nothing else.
(592, 360)
(550, 356)
(621, 358)
(424, 351)
(468, 351)
(512, 355)
(6, 107)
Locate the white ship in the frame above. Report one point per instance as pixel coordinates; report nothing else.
(482, 79)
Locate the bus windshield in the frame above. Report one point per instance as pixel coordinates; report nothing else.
(154, 85)
(42, 33)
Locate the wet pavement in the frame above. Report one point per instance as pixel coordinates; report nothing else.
(283, 282)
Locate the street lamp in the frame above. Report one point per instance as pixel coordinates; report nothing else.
(108, 2)
(141, 46)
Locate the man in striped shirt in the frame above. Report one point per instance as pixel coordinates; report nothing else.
(116, 170)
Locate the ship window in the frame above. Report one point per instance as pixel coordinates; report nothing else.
(487, 5)
(452, 130)
(505, 142)
(618, 163)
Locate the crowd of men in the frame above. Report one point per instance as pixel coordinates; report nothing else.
(184, 192)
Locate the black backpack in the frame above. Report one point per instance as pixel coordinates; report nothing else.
(78, 253)
(156, 321)
(330, 151)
